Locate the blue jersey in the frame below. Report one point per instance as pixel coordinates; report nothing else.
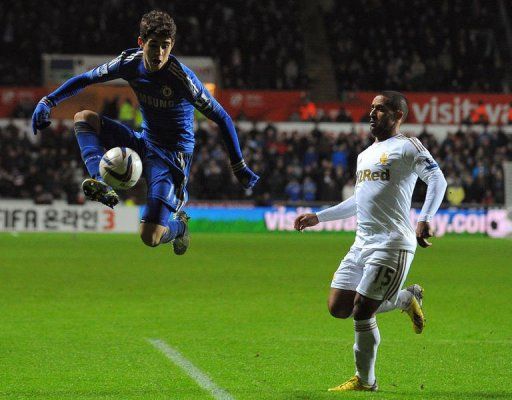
(167, 100)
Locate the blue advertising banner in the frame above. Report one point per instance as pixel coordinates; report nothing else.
(494, 223)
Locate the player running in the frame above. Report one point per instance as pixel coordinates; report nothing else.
(167, 92)
(369, 278)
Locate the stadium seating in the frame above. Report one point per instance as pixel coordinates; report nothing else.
(416, 45)
(259, 45)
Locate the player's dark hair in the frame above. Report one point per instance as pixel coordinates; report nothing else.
(396, 101)
(157, 23)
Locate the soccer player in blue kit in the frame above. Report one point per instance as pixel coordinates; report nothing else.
(168, 92)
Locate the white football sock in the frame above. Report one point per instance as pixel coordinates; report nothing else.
(403, 300)
(367, 339)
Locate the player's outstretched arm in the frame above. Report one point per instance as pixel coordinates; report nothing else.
(73, 86)
(345, 209)
(41, 116)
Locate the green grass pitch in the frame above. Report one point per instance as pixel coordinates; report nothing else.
(249, 310)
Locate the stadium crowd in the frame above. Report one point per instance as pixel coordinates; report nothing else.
(108, 27)
(417, 45)
(261, 46)
(317, 166)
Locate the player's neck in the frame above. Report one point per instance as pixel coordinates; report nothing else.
(387, 135)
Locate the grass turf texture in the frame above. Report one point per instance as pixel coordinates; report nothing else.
(247, 309)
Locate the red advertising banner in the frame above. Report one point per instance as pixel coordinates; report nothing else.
(440, 108)
(19, 97)
(424, 108)
(260, 105)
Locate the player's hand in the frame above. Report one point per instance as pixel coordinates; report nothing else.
(423, 232)
(41, 116)
(305, 220)
(244, 175)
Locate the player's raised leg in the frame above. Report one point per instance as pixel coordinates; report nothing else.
(87, 132)
(409, 300)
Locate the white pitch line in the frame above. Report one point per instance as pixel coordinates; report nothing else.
(195, 373)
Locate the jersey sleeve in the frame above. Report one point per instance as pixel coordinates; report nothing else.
(204, 102)
(419, 159)
(345, 209)
(103, 73)
(424, 165)
(110, 70)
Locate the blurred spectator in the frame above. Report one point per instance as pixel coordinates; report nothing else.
(110, 108)
(310, 157)
(479, 115)
(344, 116)
(127, 113)
(309, 189)
(339, 156)
(455, 193)
(24, 108)
(307, 109)
(293, 190)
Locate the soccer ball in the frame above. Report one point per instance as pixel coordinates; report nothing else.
(120, 167)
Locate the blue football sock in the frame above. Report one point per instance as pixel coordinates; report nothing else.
(174, 229)
(90, 147)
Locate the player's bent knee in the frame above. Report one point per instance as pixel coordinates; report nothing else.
(151, 234)
(89, 117)
(151, 240)
(364, 309)
(338, 312)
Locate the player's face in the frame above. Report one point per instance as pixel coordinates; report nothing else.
(156, 51)
(383, 119)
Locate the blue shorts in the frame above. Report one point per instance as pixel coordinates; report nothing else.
(166, 171)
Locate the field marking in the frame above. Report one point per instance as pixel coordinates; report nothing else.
(195, 373)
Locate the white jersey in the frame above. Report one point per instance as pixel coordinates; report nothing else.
(386, 175)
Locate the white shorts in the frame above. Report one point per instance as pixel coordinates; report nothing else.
(375, 273)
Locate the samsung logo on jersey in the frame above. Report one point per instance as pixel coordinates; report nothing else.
(369, 175)
(154, 101)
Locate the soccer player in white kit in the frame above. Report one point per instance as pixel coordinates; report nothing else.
(369, 278)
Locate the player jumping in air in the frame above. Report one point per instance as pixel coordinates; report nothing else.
(369, 278)
(168, 92)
